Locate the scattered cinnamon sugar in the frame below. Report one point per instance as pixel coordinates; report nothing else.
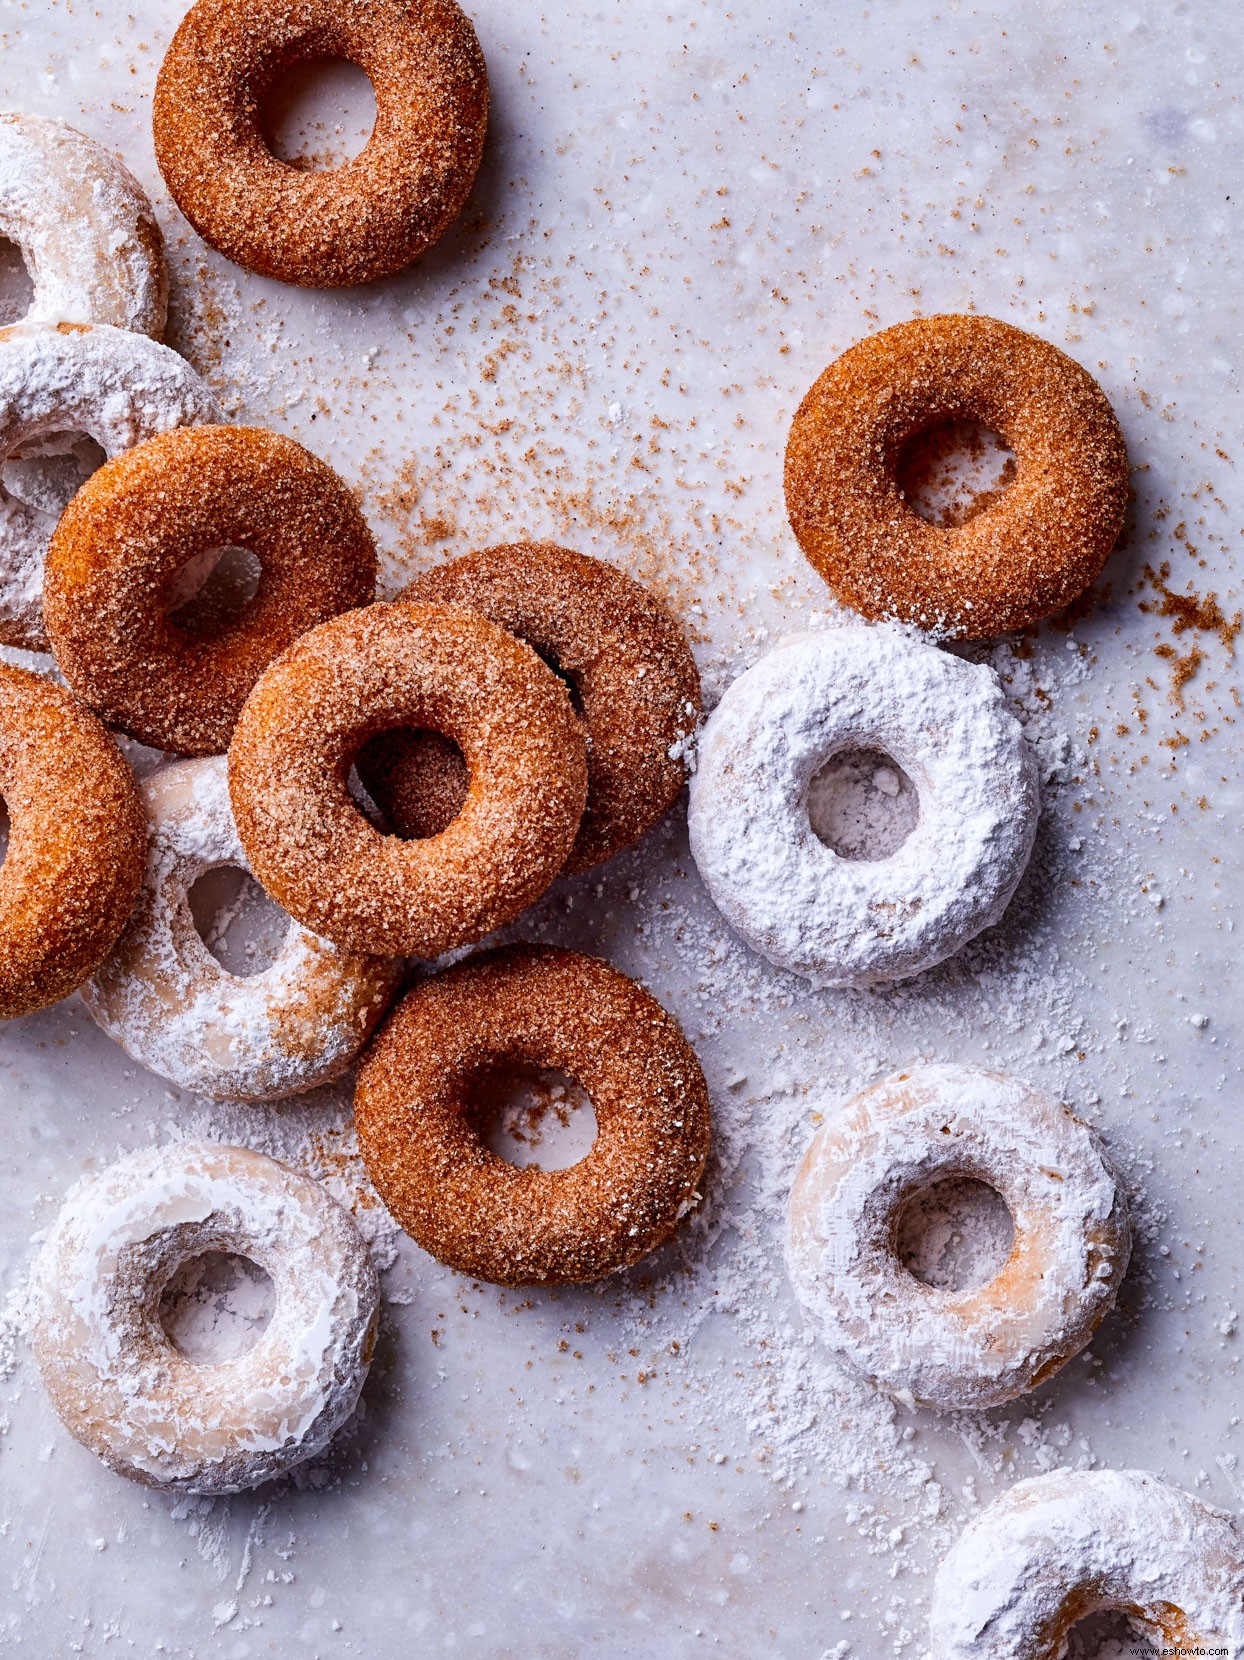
(1201, 612)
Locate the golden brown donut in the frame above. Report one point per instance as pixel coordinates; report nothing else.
(533, 1008)
(77, 843)
(1024, 556)
(115, 560)
(632, 677)
(435, 666)
(364, 219)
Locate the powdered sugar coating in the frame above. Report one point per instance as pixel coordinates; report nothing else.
(119, 388)
(167, 1001)
(839, 921)
(84, 226)
(114, 1378)
(956, 1348)
(1055, 1549)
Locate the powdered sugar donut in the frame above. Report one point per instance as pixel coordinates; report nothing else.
(838, 921)
(116, 1381)
(119, 388)
(986, 1344)
(1056, 1549)
(167, 1001)
(85, 228)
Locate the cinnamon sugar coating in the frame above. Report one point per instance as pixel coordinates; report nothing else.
(521, 1008)
(77, 842)
(364, 219)
(115, 560)
(424, 666)
(1028, 553)
(631, 672)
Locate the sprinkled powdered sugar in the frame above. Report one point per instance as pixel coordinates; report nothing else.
(171, 1005)
(979, 1344)
(1070, 1543)
(116, 1382)
(839, 921)
(84, 225)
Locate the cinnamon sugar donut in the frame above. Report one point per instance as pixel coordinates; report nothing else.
(426, 666)
(1056, 1549)
(166, 1000)
(376, 212)
(76, 842)
(117, 1382)
(1025, 555)
(115, 561)
(84, 225)
(534, 1008)
(632, 676)
(117, 387)
(989, 1343)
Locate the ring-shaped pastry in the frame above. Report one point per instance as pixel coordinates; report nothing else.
(125, 539)
(116, 387)
(988, 1343)
(533, 1008)
(632, 677)
(349, 224)
(1061, 1547)
(429, 667)
(1026, 554)
(76, 842)
(166, 1000)
(119, 1385)
(85, 228)
(840, 921)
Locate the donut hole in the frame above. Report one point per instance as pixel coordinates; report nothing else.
(1108, 1634)
(318, 114)
(568, 680)
(532, 1118)
(242, 928)
(422, 775)
(862, 804)
(212, 589)
(216, 1307)
(46, 472)
(954, 1234)
(17, 289)
(953, 470)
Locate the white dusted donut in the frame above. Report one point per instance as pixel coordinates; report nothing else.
(84, 225)
(116, 1381)
(956, 1348)
(167, 1001)
(838, 921)
(1056, 1549)
(118, 388)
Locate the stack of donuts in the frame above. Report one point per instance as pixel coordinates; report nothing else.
(407, 778)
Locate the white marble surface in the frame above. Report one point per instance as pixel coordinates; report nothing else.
(685, 210)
